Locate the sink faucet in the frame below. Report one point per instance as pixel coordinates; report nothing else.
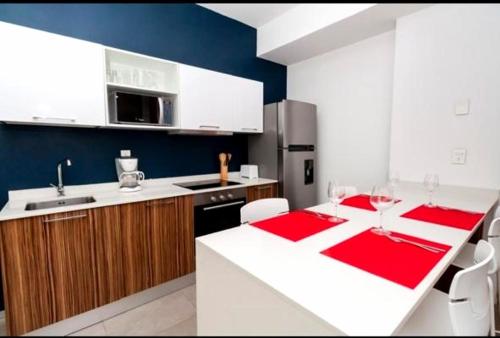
(60, 185)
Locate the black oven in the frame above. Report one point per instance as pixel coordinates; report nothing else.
(218, 211)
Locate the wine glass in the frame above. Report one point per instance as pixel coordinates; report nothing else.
(431, 183)
(381, 198)
(336, 195)
(394, 179)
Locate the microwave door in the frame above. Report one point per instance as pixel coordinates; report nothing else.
(131, 108)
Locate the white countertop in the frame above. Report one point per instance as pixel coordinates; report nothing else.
(108, 194)
(347, 298)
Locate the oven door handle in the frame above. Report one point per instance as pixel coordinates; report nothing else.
(223, 205)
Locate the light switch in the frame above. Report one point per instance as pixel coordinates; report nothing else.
(462, 107)
(125, 153)
(458, 156)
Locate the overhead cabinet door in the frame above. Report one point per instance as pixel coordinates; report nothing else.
(50, 79)
(204, 99)
(249, 106)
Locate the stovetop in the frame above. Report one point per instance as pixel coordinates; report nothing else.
(198, 185)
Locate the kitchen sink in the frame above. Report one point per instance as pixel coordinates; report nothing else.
(59, 203)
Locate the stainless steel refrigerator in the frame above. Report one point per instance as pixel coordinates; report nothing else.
(286, 151)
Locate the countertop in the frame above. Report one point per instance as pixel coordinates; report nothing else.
(108, 194)
(347, 298)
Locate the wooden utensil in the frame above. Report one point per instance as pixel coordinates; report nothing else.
(222, 158)
(223, 166)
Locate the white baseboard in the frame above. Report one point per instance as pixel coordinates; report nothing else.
(89, 318)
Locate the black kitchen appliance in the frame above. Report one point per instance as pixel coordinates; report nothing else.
(216, 210)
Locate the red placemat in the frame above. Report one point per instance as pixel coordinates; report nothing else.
(402, 263)
(455, 218)
(361, 201)
(296, 225)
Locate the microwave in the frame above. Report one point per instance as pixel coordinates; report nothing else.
(138, 108)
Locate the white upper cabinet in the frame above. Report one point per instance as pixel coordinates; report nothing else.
(248, 114)
(51, 79)
(47, 78)
(215, 101)
(204, 100)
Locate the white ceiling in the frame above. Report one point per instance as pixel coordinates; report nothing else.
(252, 14)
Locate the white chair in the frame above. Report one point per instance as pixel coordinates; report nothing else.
(467, 310)
(465, 258)
(263, 208)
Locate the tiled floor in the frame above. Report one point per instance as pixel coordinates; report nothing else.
(171, 315)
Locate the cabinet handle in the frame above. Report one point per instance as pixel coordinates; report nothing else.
(263, 188)
(64, 218)
(153, 204)
(211, 127)
(70, 119)
(253, 129)
(223, 205)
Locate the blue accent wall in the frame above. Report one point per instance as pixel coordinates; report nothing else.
(186, 33)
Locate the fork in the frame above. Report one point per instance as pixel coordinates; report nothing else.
(315, 213)
(466, 211)
(423, 246)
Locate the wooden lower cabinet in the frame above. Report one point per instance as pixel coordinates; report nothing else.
(186, 234)
(109, 254)
(60, 265)
(70, 246)
(258, 192)
(25, 273)
(135, 247)
(164, 231)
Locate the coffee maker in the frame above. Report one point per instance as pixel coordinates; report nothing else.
(129, 177)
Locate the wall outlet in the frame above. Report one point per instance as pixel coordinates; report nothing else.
(462, 107)
(125, 153)
(458, 156)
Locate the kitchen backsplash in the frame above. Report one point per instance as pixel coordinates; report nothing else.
(29, 154)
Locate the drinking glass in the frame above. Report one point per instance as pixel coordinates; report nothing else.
(336, 194)
(431, 183)
(381, 198)
(394, 179)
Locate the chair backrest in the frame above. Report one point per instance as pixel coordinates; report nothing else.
(497, 212)
(470, 303)
(263, 208)
(494, 237)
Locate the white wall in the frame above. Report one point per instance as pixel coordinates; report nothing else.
(300, 21)
(352, 88)
(444, 54)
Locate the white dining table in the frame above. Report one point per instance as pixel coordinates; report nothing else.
(251, 282)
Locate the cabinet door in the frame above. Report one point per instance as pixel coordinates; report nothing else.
(135, 242)
(71, 255)
(50, 79)
(185, 213)
(109, 254)
(164, 225)
(205, 100)
(262, 191)
(25, 273)
(249, 106)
